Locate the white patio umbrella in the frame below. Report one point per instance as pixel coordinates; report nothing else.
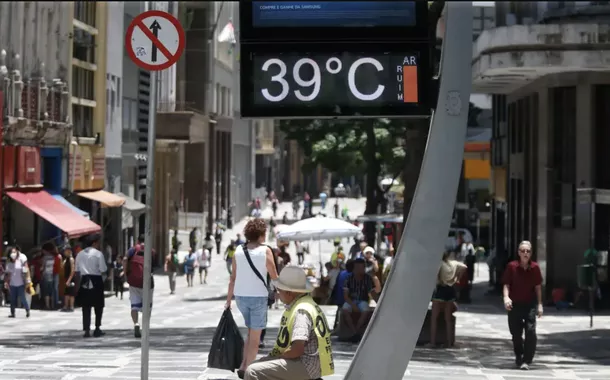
(318, 228)
(279, 228)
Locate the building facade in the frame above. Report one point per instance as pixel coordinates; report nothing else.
(548, 68)
(53, 82)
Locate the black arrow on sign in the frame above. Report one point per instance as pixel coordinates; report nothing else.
(155, 27)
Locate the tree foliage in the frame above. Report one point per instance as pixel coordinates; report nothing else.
(340, 146)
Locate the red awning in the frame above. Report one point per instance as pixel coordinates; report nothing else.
(53, 211)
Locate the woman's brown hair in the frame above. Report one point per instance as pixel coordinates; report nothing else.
(254, 229)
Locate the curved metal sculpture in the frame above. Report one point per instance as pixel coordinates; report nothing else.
(387, 346)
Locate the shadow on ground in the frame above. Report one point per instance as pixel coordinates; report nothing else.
(565, 349)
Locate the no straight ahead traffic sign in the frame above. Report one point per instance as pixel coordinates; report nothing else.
(155, 40)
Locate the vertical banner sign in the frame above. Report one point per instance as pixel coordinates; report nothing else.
(155, 40)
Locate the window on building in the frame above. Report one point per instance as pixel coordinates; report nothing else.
(83, 83)
(130, 114)
(85, 11)
(82, 119)
(217, 99)
(563, 132)
(222, 107)
(83, 46)
(229, 102)
(126, 109)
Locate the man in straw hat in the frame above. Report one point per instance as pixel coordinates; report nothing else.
(302, 349)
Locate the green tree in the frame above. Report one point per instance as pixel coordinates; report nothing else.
(375, 147)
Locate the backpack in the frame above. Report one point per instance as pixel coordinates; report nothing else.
(135, 272)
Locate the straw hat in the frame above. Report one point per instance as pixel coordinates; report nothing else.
(293, 279)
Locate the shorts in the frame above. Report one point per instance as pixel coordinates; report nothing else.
(135, 298)
(203, 269)
(70, 291)
(444, 293)
(47, 288)
(362, 306)
(254, 311)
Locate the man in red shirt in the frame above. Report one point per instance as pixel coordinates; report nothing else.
(523, 300)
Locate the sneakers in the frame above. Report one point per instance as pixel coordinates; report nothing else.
(137, 332)
(524, 367)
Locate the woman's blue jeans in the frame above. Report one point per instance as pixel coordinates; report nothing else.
(18, 293)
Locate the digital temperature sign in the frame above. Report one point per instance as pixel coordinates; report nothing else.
(266, 21)
(341, 83)
(315, 14)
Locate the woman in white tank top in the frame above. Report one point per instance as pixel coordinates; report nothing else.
(250, 290)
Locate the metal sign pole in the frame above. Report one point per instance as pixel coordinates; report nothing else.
(148, 238)
(399, 315)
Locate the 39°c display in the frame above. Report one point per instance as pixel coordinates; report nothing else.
(338, 80)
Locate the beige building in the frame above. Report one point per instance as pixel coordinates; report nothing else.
(548, 67)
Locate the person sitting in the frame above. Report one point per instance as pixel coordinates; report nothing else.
(302, 349)
(357, 291)
(338, 298)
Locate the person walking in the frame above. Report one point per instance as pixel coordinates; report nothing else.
(190, 262)
(193, 239)
(16, 279)
(47, 285)
(229, 254)
(69, 272)
(444, 297)
(302, 349)
(176, 241)
(300, 252)
(119, 276)
(171, 268)
(254, 260)
(91, 267)
(208, 243)
(203, 262)
(134, 268)
(218, 238)
(522, 293)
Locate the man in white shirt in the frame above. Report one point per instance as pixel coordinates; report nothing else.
(203, 259)
(91, 266)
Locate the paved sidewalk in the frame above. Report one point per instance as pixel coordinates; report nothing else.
(49, 345)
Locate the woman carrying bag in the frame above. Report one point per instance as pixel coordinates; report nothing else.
(250, 266)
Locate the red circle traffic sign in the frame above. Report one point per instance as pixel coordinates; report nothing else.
(155, 41)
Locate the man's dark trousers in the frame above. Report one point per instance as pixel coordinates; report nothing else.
(523, 317)
(92, 297)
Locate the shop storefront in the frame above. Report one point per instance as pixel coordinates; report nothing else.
(26, 203)
(113, 212)
(87, 173)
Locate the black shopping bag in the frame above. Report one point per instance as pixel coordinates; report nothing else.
(227, 344)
